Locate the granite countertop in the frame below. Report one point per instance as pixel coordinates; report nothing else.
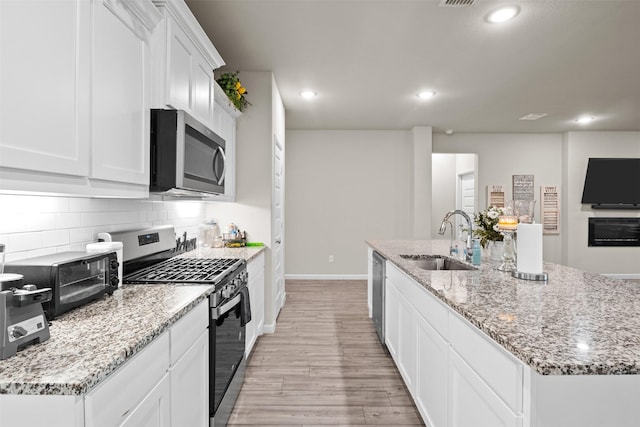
(577, 323)
(90, 342)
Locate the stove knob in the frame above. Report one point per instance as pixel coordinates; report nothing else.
(114, 264)
(17, 332)
(114, 282)
(227, 291)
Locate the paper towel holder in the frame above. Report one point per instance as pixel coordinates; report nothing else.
(540, 277)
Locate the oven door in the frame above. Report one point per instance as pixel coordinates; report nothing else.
(227, 335)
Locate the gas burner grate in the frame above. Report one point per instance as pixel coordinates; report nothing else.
(185, 270)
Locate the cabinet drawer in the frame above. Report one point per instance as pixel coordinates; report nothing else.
(497, 368)
(472, 403)
(187, 330)
(114, 399)
(426, 304)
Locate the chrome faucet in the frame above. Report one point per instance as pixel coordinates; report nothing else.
(443, 227)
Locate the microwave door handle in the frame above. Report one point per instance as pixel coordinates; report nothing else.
(220, 178)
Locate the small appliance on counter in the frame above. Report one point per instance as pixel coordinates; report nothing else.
(75, 278)
(22, 320)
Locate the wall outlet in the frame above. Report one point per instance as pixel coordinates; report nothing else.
(330, 258)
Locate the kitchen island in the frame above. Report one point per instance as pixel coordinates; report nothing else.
(513, 352)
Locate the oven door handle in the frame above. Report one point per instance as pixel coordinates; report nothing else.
(220, 311)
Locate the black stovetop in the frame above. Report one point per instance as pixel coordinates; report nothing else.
(185, 270)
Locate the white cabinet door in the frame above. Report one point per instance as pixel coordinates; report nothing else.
(180, 52)
(391, 318)
(202, 90)
(431, 374)
(400, 322)
(400, 331)
(114, 400)
(190, 386)
(44, 107)
(471, 402)
(120, 96)
(190, 79)
(407, 342)
(255, 327)
(154, 410)
(224, 124)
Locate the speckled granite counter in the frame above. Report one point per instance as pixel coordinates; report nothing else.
(90, 342)
(576, 323)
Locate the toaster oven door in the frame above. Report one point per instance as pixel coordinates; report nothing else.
(81, 281)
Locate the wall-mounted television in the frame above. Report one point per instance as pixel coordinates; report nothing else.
(612, 183)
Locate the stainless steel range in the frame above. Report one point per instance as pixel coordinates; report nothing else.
(151, 257)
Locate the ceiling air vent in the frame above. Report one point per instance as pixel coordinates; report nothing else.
(456, 3)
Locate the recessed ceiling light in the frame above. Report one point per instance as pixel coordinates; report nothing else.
(308, 94)
(426, 94)
(503, 14)
(584, 120)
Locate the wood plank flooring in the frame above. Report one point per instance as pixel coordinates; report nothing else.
(324, 365)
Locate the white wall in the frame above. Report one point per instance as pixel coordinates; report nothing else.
(40, 225)
(343, 187)
(578, 147)
(255, 131)
(443, 193)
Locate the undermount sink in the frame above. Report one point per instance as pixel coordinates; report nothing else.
(437, 262)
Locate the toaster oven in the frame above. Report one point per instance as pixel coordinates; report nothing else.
(75, 278)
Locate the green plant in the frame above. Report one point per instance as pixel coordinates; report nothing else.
(487, 225)
(230, 84)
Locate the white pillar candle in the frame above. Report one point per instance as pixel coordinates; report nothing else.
(529, 248)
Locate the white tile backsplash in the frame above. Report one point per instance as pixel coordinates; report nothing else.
(41, 225)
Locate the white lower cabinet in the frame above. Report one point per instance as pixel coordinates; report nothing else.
(471, 402)
(190, 386)
(432, 355)
(154, 410)
(475, 389)
(401, 320)
(255, 328)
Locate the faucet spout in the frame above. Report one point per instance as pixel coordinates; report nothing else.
(443, 227)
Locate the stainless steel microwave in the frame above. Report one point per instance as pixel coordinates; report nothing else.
(187, 158)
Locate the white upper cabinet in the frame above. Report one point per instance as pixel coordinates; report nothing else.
(74, 79)
(120, 90)
(44, 66)
(225, 115)
(185, 59)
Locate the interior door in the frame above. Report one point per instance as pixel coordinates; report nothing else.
(277, 251)
(466, 199)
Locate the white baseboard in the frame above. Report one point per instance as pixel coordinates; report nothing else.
(624, 276)
(325, 277)
(269, 328)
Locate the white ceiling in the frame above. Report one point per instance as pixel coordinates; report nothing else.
(367, 59)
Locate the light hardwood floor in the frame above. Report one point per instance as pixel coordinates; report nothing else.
(324, 365)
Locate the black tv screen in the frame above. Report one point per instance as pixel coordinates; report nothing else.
(612, 182)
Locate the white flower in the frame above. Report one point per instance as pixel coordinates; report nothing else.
(496, 228)
(493, 214)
